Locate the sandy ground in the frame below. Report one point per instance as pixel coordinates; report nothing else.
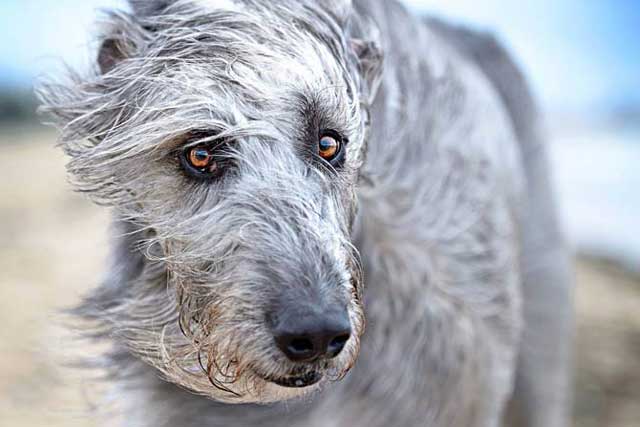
(52, 246)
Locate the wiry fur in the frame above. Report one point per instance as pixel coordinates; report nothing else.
(436, 195)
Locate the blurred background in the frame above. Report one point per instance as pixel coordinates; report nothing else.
(582, 58)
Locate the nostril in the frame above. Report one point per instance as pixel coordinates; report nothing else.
(298, 348)
(337, 344)
(308, 337)
(301, 346)
(339, 341)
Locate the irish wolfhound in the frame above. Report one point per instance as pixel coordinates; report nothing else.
(263, 162)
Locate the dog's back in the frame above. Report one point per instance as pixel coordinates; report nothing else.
(543, 383)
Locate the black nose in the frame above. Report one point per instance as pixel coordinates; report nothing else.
(305, 337)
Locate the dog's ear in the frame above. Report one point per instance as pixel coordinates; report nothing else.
(123, 33)
(145, 8)
(370, 64)
(340, 8)
(112, 51)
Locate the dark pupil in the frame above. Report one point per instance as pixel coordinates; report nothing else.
(327, 143)
(201, 155)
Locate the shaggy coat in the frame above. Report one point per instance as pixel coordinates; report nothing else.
(437, 226)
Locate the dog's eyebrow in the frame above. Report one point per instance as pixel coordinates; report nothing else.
(205, 134)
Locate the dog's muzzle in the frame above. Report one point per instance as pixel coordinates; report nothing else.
(309, 338)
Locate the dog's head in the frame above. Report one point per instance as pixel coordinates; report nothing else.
(232, 133)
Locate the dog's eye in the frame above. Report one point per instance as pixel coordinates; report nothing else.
(200, 161)
(199, 157)
(330, 146)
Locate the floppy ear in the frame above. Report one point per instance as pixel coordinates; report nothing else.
(370, 61)
(112, 51)
(340, 8)
(118, 43)
(144, 8)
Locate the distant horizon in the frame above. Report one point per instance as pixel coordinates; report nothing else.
(578, 55)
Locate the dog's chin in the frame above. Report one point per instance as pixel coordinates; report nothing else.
(269, 390)
(284, 391)
(286, 388)
(272, 383)
(305, 380)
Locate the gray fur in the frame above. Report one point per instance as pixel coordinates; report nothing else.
(443, 206)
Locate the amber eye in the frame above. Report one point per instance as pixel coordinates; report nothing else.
(201, 161)
(330, 146)
(199, 157)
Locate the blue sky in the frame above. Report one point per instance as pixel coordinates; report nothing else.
(580, 55)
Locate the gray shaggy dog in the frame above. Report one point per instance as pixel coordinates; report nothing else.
(264, 160)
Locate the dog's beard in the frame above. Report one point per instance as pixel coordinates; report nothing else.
(216, 352)
(214, 339)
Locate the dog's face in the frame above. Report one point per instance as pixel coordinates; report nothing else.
(235, 137)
